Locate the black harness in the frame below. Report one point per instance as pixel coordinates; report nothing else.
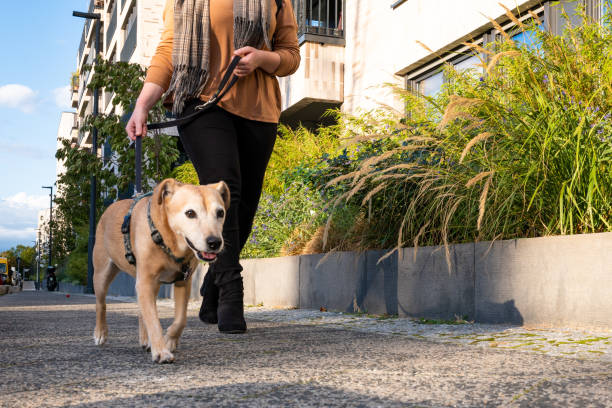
(186, 268)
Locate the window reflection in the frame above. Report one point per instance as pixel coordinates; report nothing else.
(470, 63)
(431, 85)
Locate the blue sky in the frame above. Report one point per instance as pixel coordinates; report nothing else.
(39, 46)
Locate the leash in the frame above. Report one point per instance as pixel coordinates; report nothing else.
(224, 86)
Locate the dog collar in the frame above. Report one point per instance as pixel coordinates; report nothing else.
(159, 241)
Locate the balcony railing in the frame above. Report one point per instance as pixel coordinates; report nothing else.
(112, 25)
(320, 20)
(82, 45)
(130, 42)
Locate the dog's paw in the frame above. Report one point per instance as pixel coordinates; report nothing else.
(171, 343)
(100, 337)
(162, 357)
(146, 346)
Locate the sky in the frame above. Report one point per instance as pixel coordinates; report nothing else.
(40, 39)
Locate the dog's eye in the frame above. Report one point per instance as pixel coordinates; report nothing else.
(190, 214)
(220, 213)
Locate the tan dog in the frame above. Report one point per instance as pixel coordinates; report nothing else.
(190, 221)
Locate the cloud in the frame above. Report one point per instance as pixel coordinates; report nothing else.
(19, 97)
(19, 218)
(23, 200)
(62, 97)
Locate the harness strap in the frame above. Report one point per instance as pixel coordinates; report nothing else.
(125, 229)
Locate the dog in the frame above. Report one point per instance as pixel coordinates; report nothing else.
(189, 223)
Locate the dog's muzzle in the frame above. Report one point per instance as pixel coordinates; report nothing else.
(203, 255)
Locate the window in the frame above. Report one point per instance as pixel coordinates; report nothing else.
(431, 85)
(320, 20)
(429, 81)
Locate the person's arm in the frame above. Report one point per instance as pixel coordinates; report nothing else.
(158, 77)
(149, 95)
(284, 60)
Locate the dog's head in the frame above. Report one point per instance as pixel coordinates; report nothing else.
(195, 214)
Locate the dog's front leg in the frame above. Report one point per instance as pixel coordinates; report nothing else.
(143, 336)
(146, 289)
(181, 299)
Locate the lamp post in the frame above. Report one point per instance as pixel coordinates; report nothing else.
(37, 285)
(50, 221)
(94, 150)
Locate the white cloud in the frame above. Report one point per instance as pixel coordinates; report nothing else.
(19, 218)
(62, 97)
(24, 201)
(19, 97)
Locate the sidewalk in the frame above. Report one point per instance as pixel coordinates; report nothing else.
(290, 358)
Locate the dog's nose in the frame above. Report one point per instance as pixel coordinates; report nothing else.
(213, 243)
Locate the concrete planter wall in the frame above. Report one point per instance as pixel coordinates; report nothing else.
(561, 281)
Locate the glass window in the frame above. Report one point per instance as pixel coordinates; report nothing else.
(431, 85)
(472, 62)
(2, 267)
(529, 38)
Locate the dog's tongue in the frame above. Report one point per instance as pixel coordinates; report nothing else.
(208, 256)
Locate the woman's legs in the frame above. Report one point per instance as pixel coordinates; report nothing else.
(226, 147)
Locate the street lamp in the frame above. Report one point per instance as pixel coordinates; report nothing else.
(37, 242)
(50, 220)
(94, 150)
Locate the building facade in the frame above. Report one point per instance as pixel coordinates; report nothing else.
(351, 49)
(129, 32)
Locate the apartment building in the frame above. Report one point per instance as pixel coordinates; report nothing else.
(350, 49)
(129, 32)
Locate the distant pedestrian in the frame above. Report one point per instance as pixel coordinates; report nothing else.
(233, 141)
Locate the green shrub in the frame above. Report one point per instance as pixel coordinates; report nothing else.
(185, 173)
(74, 269)
(522, 151)
(298, 210)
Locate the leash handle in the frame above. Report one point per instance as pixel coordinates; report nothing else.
(224, 87)
(138, 165)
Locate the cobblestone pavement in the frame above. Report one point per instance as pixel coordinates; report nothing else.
(581, 344)
(290, 358)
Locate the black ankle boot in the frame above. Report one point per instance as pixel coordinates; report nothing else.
(230, 311)
(210, 298)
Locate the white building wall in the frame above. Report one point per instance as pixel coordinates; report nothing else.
(381, 43)
(64, 132)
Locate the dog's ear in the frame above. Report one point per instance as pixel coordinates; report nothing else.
(165, 189)
(223, 189)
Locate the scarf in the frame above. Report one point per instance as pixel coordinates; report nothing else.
(191, 44)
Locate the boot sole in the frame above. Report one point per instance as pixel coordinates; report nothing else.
(233, 331)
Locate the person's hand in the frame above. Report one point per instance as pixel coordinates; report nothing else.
(249, 62)
(137, 125)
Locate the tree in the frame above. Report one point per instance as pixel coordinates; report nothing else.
(114, 173)
(26, 253)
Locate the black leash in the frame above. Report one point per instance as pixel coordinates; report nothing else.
(200, 109)
(224, 86)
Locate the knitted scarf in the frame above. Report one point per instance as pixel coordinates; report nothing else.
(191, 44)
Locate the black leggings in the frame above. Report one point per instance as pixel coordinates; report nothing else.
(226, 147)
